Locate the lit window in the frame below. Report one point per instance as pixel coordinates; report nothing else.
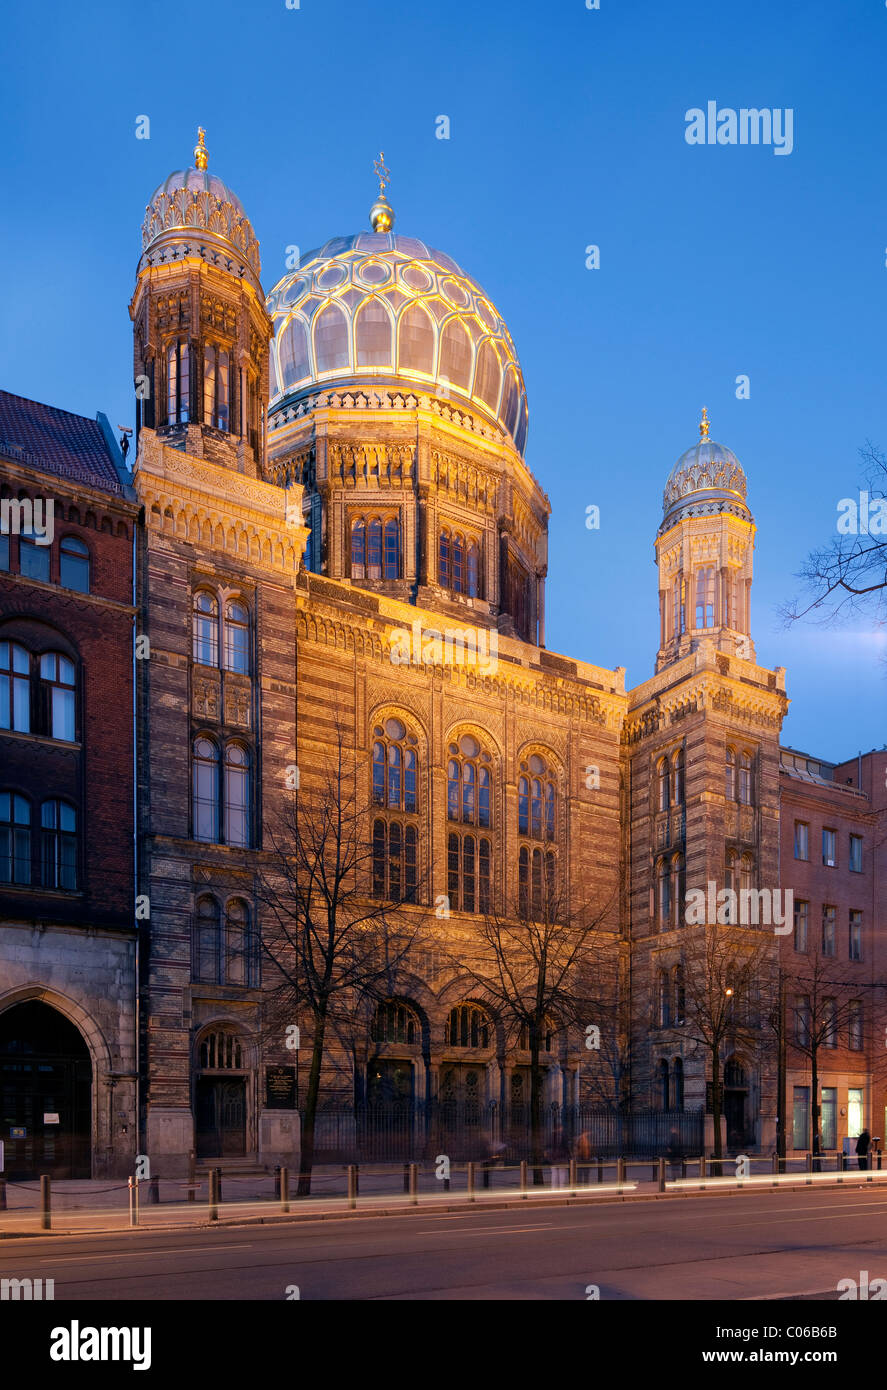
(236, 795)
(855, 935)
(216, 386)
(395, 856)
(15, 688)
(74, 564)
(856, 854)
(830, 848)
(15, 839)
(178, 383)
(468, 783)
(58, 822)
(829, 921)
(802, 840)
(237, 637)
(705, 597)
(206, 629)
(57, 672)
(206, 790)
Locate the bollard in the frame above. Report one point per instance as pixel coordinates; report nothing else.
(471, 1197)
(655, 1173)
(774, 1168)
(413, 1175)
(620, 1170)
(45, 1202)
(662, 1175)
(284, 1189)
(523, 1178)
(573, 1177)
(351, 1172)
(213, 1194)
(2, 1194)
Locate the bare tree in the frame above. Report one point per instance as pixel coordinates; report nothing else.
(330, 944)
(848, 575)
(728, 976)
(546, 968)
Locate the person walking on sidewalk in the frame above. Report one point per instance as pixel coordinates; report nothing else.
(862, 1149)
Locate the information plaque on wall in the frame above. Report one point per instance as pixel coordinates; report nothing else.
(280, 1088)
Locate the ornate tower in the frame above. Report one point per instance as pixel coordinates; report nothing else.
(200, 329)
(701, 779)
(397, 400)
(704, 551)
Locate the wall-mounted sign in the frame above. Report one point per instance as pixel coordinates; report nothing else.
(280, 1088)
(18, 1132)
(50, 1117)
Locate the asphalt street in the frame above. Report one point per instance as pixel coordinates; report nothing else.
(740, 1246)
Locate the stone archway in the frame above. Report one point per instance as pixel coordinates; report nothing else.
(46, 1091)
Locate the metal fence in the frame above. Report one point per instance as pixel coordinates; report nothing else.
(415, 1131)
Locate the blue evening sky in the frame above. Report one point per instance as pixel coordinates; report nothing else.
(567, 128)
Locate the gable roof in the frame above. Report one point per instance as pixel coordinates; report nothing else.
(57, 441)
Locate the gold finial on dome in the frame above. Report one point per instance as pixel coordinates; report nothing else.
(704, 424)
(201, 154)
(382, 213)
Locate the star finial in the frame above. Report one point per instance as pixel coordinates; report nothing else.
(382, 174)
(201, 154)
(382, 213)
(703, 424)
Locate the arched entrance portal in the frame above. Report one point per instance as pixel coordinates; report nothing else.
(45, 1094)
(221, 1096)
(736, 1104)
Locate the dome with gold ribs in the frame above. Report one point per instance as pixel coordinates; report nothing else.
(194, 213)
(378, 309)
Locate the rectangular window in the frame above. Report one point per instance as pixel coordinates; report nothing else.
(830, 848)
(802, 915)
(855, 950)
(829, 922)
(854, 1111)
(801, 1117)
(802, 1020)
(829, 1117)
(854, 1025)
(802, 840)
(856, 854)
(33, 559)
(830, 1022)
(178, 383)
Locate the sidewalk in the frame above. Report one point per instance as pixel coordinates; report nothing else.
(88, 1206)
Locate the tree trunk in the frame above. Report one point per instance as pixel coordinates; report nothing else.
(716, 1103)
(306, 1161)
(814, 1104)
(535, 1109)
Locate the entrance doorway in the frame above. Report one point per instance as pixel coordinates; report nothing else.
(221, 1116)
(45, 1094)
(736, 1104)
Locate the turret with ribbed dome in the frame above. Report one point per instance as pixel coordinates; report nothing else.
(200, 328)
(704, 549)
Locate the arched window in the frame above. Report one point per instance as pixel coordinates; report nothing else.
(178, 382)
(374, 548)
(443, 562)
(358, 548)
(678, 889)
(237, 943)
(664, 894)
(473, 570)
(469, 873)
(236, 636)
(746, 783)
(294, 363)
(664, 775)
(458, 563)
(415, 340)
(547, 1031)
(15, 688)
(536, 799)
(221, 1051)
(455, 354)
(663, 1084)
(205, 809)
(469, 783)
(236, 795)
(372, 332)
(467, 1026)
(395, 861)
(394, 767)
(488, 375)
(15, 838)
(677, 1084)
(664, 1007)
(391, 555)
(331, 340)
(679, 994)
(677, 778)
(394, 1022)
(206, 628)
(705, 597)
(206, 940)
(731, 883)
(216, 386)
(746, 874)
(679, 610)
(74, 564)
(57, 675)
(58, 834)
(730, 776)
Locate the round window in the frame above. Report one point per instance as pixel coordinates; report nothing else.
(469, 746)
(394, 729)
